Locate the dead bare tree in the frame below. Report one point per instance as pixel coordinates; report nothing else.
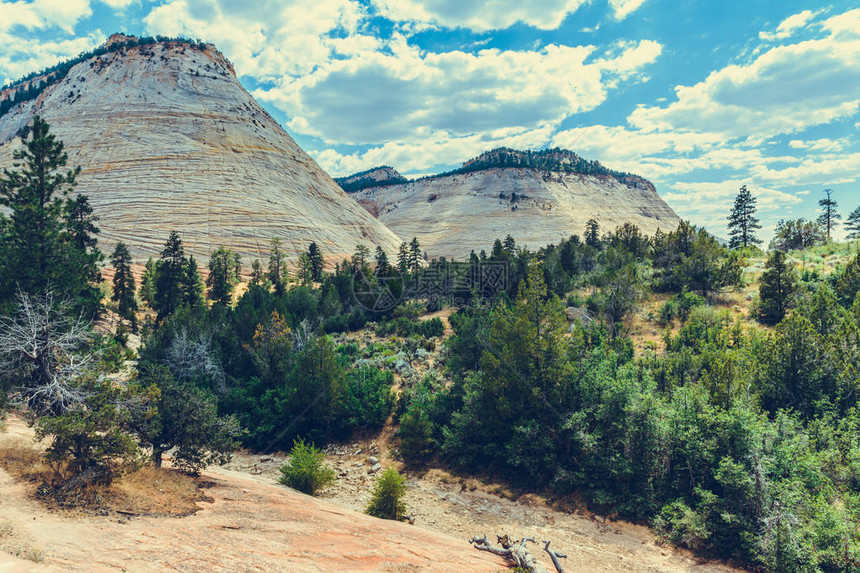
(41, 353)
(302, 335)
(517, 553)
(190, 356)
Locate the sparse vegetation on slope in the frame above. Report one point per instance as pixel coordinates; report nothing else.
(51, 75)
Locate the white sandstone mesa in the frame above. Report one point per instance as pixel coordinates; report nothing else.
(168, 139)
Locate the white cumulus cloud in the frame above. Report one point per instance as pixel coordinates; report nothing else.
(20, 56)
(480, 15)
(43, 14)
(623, 8)
(404, 93)
(784, 90)
(789, 26)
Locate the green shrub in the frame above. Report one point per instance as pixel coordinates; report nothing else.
(430, 328)
(680, 306)
(367, 399)
(681, 525)
(411, 310)
(305, 470)
(416, 435)
(405, 326)
(92, 439)
(388, 492)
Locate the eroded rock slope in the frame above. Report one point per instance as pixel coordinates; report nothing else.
(168, 139)
(456, 213)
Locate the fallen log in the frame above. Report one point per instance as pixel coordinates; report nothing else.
(517, 553)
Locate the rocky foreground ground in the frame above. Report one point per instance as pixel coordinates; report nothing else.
(252, 524)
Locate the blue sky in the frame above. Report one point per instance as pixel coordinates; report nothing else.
(698, 97)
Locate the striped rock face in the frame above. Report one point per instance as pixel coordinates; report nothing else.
(454, 214)
(168, 139)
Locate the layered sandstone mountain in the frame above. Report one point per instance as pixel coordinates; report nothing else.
(538, 198)
(168, 139)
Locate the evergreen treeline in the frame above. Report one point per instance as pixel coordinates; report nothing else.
(734, 442)
(555, 160)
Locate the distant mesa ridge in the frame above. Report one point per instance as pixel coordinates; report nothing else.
(168, 139)
(374, 177)
(537, 197)
(554, 160)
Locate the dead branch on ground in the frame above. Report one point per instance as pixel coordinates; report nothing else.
(517, 553)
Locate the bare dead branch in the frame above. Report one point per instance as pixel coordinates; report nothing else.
(42, 351)
(555, 556)
(188, 357)
(517, 553)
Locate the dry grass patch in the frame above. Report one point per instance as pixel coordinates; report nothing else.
(12, 542)
(23, 460)
(143, 490)
(157, 491)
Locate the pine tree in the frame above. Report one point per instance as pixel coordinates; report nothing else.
(829, 215)
(359, 258)
(123, 284)
(777, 286)
(36, 221)
(305, 270)
(258, 277)
(184, 417)
(498, 251)
(382, 266)
(388, 493)
(277, 267)
(316, 262)
(852, 225)
(191, 284)
(742, 222)
(39, 251)
(84, 256)
(81, 223)
(592, 233)
(403, 258)
(147, 282)
(509, 245)
(414, 255)
(224, 275)
(170, 276)
(524, 367)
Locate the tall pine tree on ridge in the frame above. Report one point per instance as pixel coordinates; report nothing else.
(829, 215)
(742, 222)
